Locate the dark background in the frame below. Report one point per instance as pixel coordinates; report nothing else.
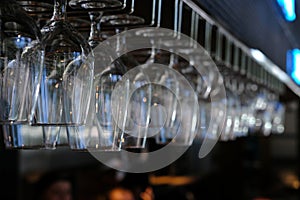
(247, 168)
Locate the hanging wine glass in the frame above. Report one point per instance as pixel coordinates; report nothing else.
(268, 113)
(206, 81)
(18, 30)
(19, 35)
(259, 107)
(155, 110)
(101, 133)
(243, 110)
(149, 107)
(64, 89)
(111, 136)
(159, 110)
(278, 120)
(233, 114)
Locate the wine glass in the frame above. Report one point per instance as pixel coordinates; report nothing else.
(61, 70)
(147, 106)
(63, 89)
(19, 33)
(165, 112)
(101, 133)
(232, 124)
(267, 115)
(103, 79)
(278, 120)
(245, 111)
(207, 83)
(18, 30)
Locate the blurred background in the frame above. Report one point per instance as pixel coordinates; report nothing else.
(252, 167)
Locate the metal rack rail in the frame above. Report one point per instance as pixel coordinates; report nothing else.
(250, 63)
(224, 48)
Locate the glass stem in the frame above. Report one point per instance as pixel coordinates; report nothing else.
(121, 42)
(152, 54)
(59, 12)
(1, 39)
(94, 37)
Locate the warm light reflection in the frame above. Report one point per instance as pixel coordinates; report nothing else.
(171, 180)
(290, 179)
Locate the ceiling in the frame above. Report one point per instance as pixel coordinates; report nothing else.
(258, 24)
